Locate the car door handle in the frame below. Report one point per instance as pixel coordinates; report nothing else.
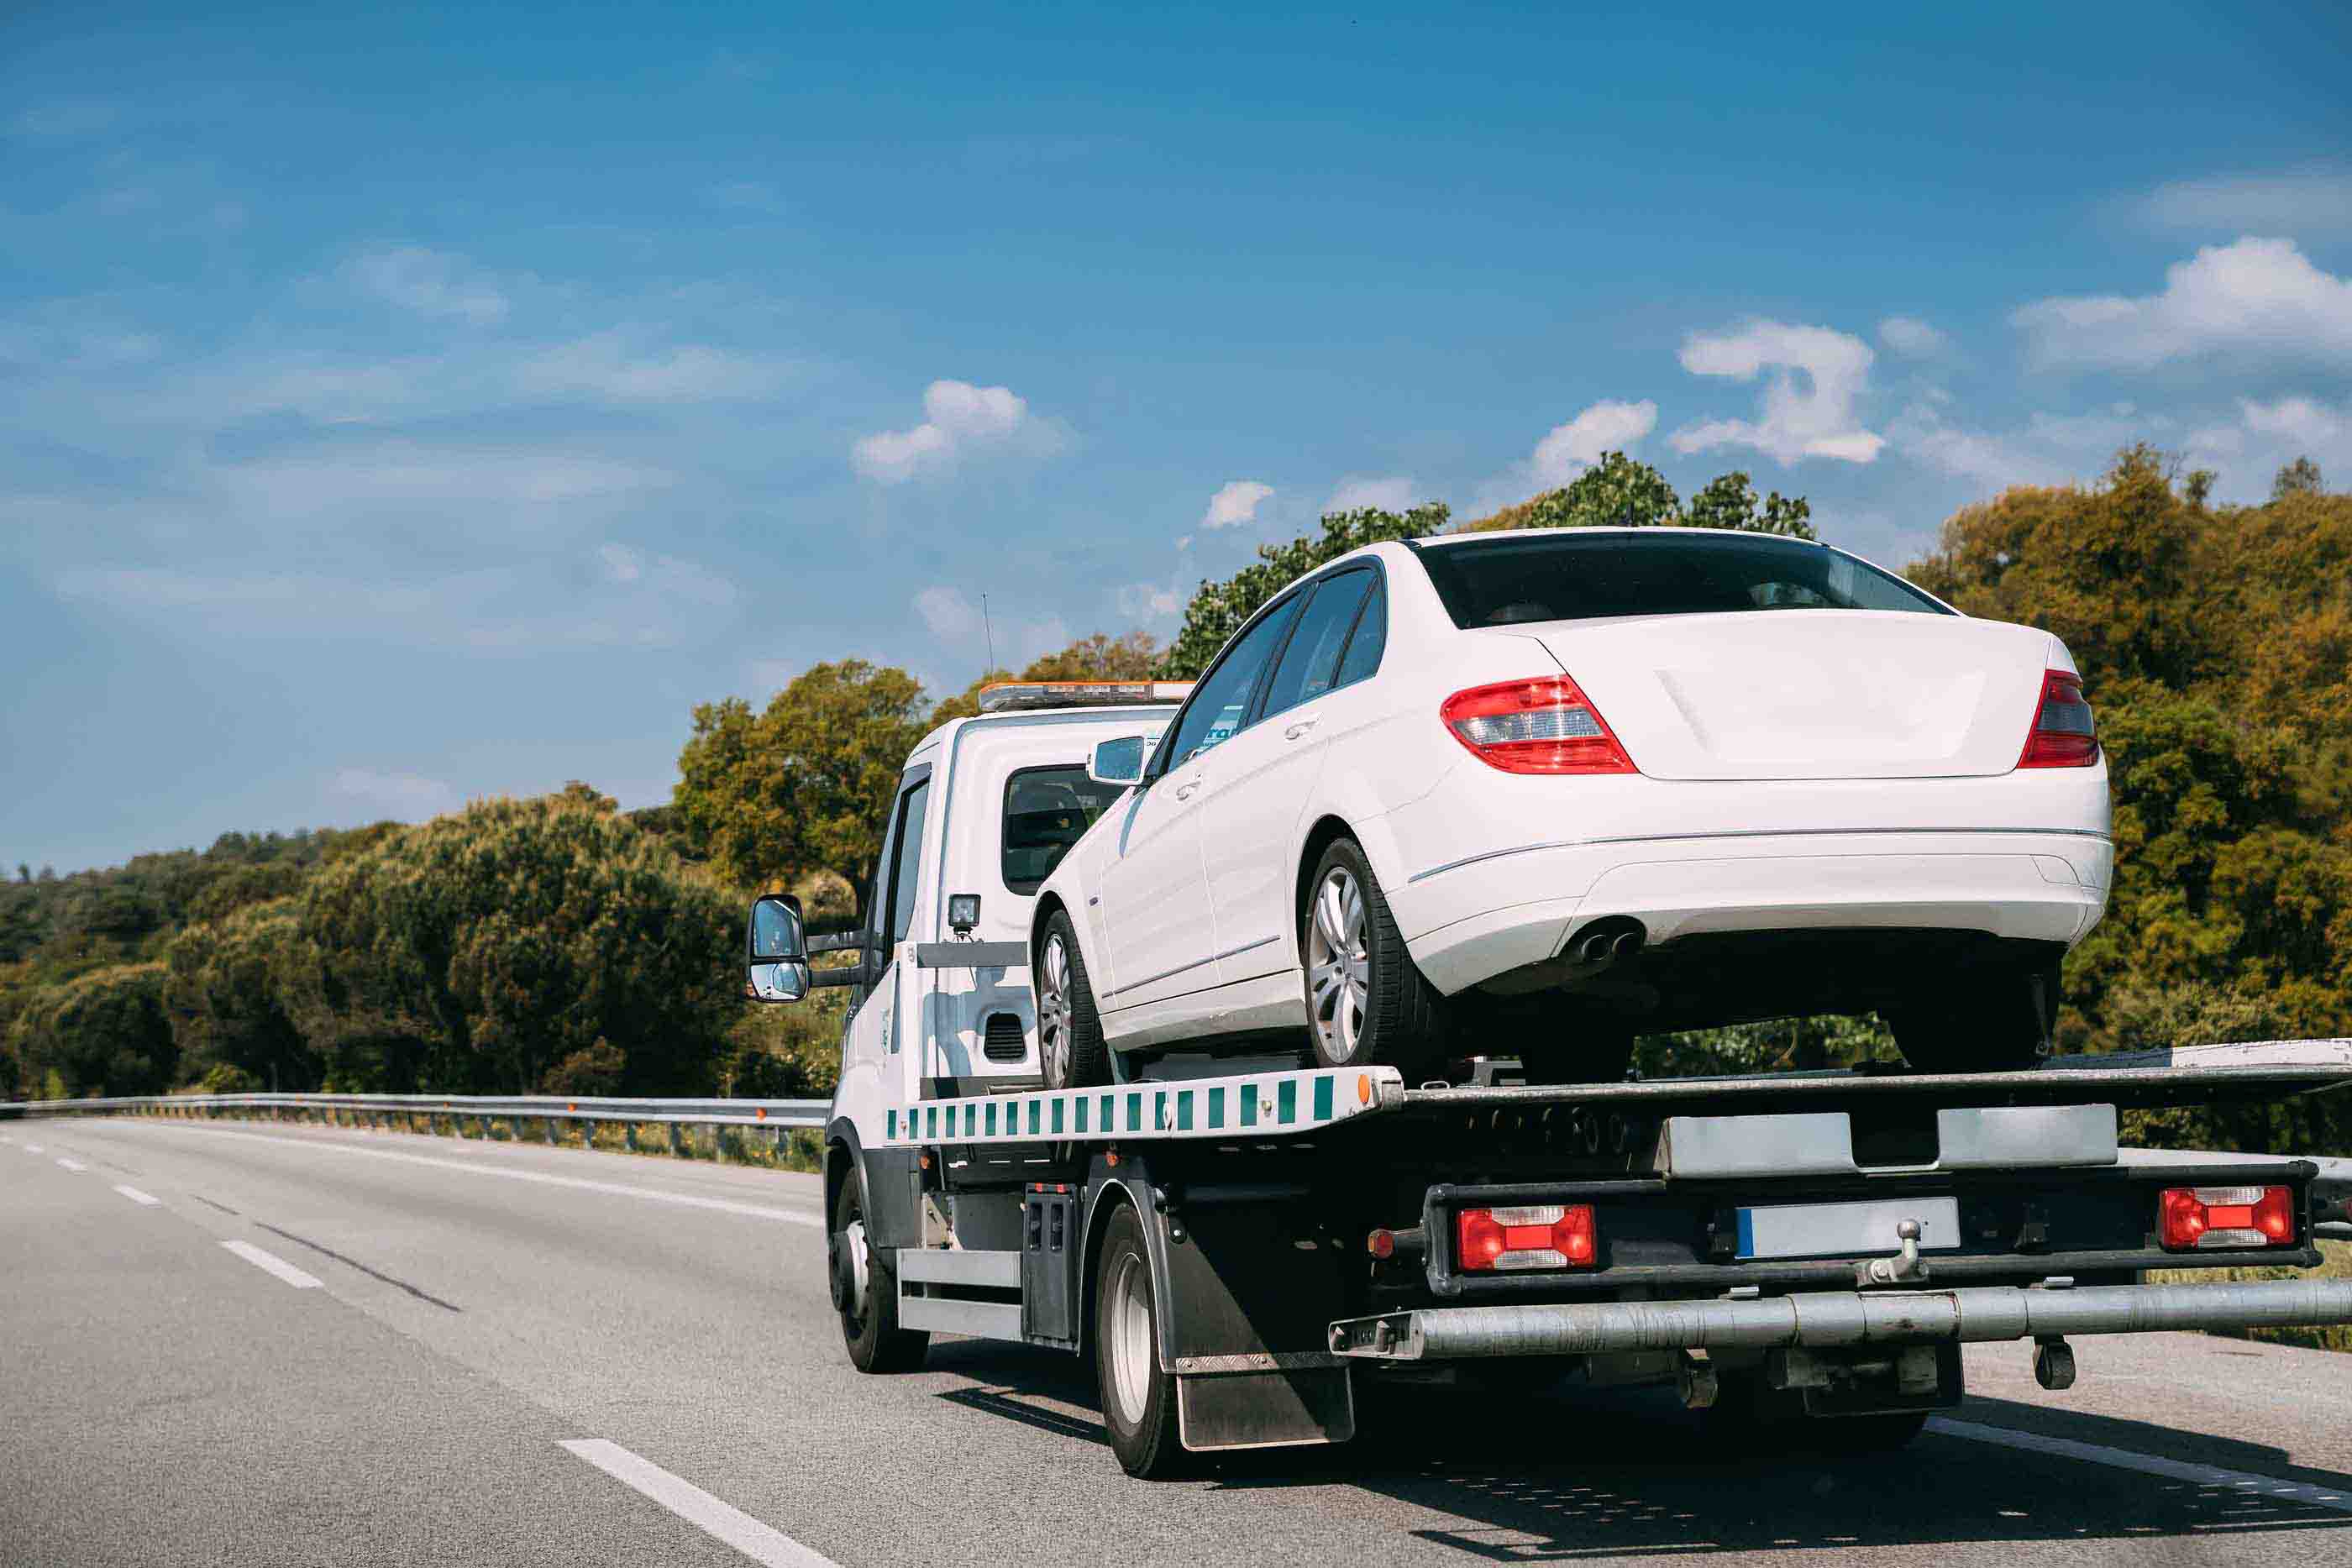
(1295, 730)
(1184, 790)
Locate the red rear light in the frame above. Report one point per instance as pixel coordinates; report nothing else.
(2064, 733)
(2189, 1217)
(1541, 725)
(1538, 1236)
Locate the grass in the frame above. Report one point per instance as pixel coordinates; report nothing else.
(2336, 1264)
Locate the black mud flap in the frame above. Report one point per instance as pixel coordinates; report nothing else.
(1283, 1408)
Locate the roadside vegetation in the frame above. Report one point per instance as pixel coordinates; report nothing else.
(562, 945)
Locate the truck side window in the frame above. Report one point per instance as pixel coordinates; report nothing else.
(911, 805)
(1047, 810)
(1371, 639)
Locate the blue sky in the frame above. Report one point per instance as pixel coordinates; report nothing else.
(409, 408)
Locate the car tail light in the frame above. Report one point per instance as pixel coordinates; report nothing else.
(2064, 733)
(1540, 1236)
(2191, 1217)
(1541, 725)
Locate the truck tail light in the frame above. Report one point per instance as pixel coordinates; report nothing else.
(1540, 725)
(1540, 1236)
(2063, 733)
(2191, 1217)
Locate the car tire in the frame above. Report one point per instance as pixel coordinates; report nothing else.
(869, 1328)
(1980, 1022)
(1070, 1050)
(1138, 1398)
(1366, 1004)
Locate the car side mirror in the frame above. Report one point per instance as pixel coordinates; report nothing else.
(1117, 762)
(775, 950)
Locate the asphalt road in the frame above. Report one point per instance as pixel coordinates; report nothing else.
(428, 1351)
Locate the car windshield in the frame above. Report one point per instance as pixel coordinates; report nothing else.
(1508, 582)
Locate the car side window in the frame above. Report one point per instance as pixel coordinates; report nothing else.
(1219, 708)
(1371, 638)
(1311, 662)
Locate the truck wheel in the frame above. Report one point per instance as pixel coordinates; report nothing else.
(1996, 1022)
(1366, 1002)
(865, 1293)
(1139, 1399)
(1070, 1050)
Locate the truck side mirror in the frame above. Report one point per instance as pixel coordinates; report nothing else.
(775, 950)
(1117, 762)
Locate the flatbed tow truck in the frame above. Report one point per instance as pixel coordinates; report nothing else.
(1801, 1254)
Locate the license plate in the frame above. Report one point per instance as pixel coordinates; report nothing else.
(1846, 1229)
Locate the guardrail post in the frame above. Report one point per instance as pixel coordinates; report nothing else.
(587, 1133)
(629, 1137)
(547, 1125)
(676, 1150)
(719, 1144)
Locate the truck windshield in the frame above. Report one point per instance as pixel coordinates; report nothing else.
(1506, 581)
(1047, 810)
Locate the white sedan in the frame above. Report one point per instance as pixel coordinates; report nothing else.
(1534, 793)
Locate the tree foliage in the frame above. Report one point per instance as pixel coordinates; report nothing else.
(1218, 609)
(1621, 492)
(802, 785)
(105, 1032)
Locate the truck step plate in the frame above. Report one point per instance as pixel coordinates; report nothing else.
(1846, 1229)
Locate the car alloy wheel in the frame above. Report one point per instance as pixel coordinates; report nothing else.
(1054, 1013)
(1339, 965)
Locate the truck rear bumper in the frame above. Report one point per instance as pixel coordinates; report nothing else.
(1838, 1317)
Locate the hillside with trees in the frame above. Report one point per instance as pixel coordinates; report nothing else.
(559, 942)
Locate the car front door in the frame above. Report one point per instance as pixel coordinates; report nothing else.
(1153, 887)
(1259, 784)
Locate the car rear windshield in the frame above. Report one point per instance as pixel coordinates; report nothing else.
(1047, 810)
(1506, 581)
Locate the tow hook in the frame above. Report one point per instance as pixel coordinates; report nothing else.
(1906, 1266)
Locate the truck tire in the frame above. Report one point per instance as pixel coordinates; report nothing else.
(1366, 1004)
(1980, 1022)
(1139, 1399)
(1070, 1050)
(869, 1327)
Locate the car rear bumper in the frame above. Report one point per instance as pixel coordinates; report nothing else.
(1503, 910)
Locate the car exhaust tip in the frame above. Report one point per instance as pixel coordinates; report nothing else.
(1610, 941)
(1596, 948)
(1627, 944)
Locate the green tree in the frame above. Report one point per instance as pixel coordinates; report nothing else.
(1218, 609)
(103, 1033)
(1728, 501)
(222, 993)
(2300, 477)
(482, 949)
(802, 785)
(1130, 656)
(1616, 492)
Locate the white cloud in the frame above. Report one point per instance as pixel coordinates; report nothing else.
(430, 283)
(63, 120)
(410, 796)
(1234, 505)
(958, 416)
(2299, 419)
(1909, 336)
(951, 616)
(622, 564)
(1813, 417)
(1992, 462)
(2260, 297)
(1150, 603)
(746, 195)
(603, 365)
(1606, 426)
(1356, 492)
(331, 483)
(2311, 202)
(2268, 436)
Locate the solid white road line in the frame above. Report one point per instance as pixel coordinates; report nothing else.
(71, 1164)
(581, 1184)
(2246, 1481)
(696, 1507)
(135, 1195)
(269, 1262)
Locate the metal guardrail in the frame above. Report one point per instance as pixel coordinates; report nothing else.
(583, 1111)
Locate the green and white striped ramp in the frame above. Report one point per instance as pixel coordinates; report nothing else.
(1256, 1104)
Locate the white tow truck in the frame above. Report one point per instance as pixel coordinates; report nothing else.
(1238, 1241)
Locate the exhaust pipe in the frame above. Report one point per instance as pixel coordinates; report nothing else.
(1610, 941)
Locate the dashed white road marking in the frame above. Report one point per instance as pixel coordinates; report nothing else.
(727, 1522)
(71, 1164)
(271, 1263)
(35, 1149)
(581, 1184)
(135, 1195)
(2247, 1482)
